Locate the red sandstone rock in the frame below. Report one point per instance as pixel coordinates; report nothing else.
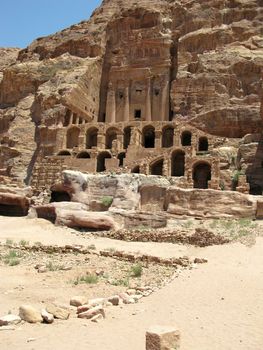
(98, 310)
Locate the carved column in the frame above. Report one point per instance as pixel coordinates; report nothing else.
(101, 140)
(165, 99)
(158, 138)
(165, 167)
(111, 105)
(177, 138)
(82, 139)
(127, 103)
(148, 109)
(71, 118)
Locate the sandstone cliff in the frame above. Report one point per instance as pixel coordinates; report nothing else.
(217, 58)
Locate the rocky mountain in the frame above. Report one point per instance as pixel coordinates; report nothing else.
(217, 60)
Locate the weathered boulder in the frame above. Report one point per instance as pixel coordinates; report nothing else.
(14, 201)
(30, 314)
(115, 300)
(78, 301)
(94, 311)
(162, 338)
(9, 320)
(210, 203)
(47, 317)
(73, 214)
(58, 312)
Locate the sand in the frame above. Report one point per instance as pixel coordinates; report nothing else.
(218, 305)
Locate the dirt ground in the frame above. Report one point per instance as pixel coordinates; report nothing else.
(217, 305)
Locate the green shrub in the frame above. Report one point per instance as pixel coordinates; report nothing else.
(23, 243)
(9, 242)
(136, 270)
(121, 282)
(11, 258)
(107, 201)
(92, 247)
(88, 279)
(54, 267)
(13, 262)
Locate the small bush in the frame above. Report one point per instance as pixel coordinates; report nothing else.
(88, 279)
(9, 242)
(107, 201)
(11, 258)
(13, 262)
(92, 247)
(121, 282)
(136, 270)
(54, 267)
(23, 243)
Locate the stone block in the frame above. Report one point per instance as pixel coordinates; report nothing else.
(259, 214)
(162, 338)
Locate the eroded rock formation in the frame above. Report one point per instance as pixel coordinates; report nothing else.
(169, 88)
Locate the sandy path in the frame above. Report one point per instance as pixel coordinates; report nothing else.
(218, 306)
(38, 230)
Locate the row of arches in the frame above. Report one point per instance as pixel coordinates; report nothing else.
(101, 158)
(148, 138)
(201, 171)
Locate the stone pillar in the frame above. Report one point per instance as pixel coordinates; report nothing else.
(165, 167)
(165, 100)
(127, 104)
(162, 338)
(71, 118)
(158, 138)
(194, 144)
(101, 141)
(111, 105)
(77, 120)
(177, 138)
(148, 109)
(120, 141)
(82, 139)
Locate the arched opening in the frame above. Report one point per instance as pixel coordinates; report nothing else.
(136, 170)
(101, 164)
(201, 175)
(203, 144)
(255, 189)
(92, 138)
(111, 135)
(121, 158)
(127, 137)
(168, 137)
(149, 137)
(186, 138)
(83, 155)
(14, 210)
(157, 168)
(73, 137)
(59, 196)
(64, 153)
(178, 163)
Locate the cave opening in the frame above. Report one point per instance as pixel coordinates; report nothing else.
(59, 196)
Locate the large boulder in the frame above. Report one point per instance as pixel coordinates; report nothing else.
(30, 314)
(210, 203)
(73, 214)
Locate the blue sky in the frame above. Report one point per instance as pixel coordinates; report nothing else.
(22, 21)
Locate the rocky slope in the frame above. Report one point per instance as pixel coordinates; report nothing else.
(217, 63)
